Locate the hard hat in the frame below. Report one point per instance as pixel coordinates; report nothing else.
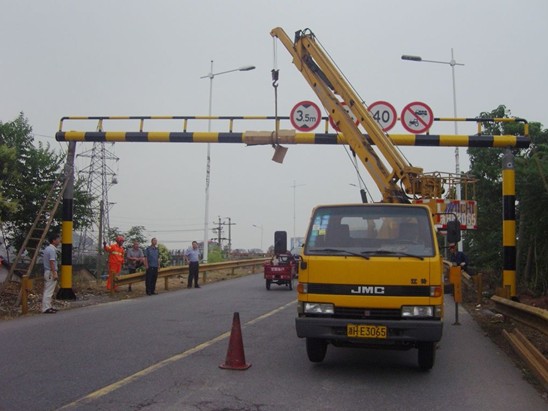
(452, 245)
(120, 238)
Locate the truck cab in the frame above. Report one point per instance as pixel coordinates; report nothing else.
(371, 276)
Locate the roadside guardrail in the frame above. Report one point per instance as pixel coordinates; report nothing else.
(167, 272)
(533, 317)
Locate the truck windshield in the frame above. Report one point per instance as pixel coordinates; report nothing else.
(372, 230)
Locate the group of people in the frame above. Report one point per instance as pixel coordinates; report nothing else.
(135, 258)
(150, 259)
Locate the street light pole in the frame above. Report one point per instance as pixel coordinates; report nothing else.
(211, 75)
(452, 63)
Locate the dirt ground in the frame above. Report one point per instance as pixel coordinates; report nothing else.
(88, 293)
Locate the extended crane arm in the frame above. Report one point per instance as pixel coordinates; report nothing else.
(332, 89)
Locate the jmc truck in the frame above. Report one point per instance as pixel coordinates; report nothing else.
(371, 274)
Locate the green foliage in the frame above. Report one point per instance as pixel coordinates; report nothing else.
(8, 161)
(32, 175)
(26, 178)
(165, 257)
(485, 245)
(112, 233)
(532, 195)
(215, 254)
(135, 233)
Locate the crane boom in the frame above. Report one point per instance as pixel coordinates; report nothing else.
(332, 89)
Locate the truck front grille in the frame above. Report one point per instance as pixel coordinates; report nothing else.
(366, 313)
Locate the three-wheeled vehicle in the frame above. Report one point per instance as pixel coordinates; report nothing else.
(281, 270)
(282, 267)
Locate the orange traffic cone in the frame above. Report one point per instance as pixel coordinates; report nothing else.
(235, 357)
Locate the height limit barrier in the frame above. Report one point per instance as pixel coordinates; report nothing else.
(94, 131)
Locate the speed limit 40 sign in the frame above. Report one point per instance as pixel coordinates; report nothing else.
(384, 113)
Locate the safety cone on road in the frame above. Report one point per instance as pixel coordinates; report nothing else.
(235, 357)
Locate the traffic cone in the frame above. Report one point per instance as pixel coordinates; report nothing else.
(235, 357)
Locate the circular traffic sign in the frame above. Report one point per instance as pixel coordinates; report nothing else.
(417, 117)
(384, 113)
(305, 116)
(352, 116)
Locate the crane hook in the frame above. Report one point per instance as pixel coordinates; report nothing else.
(275, 77)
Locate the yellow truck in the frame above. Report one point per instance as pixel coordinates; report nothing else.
(371, 274)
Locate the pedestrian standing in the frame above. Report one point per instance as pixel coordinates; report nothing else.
(192, 257)
(152, 262)
(49, 260)
(115, 259)
(135, 259)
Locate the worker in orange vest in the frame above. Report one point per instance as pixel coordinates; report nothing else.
(115, 259)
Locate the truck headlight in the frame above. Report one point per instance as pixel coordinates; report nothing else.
(417, 311)
(318, 308)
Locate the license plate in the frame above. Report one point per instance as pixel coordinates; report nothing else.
(366, 331)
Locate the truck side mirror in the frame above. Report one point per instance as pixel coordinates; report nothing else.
(453, 231)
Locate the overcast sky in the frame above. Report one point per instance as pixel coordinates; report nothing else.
(67, 58)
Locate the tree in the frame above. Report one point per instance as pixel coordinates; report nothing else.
(532, 195)
(136, 233)
(165, 257)
(26, 183)
(7, 166)
(485, 245)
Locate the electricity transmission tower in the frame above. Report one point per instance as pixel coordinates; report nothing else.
(99, 177)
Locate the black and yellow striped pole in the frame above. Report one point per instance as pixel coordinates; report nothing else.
(65, 286)
(509, 222)
(288, 137)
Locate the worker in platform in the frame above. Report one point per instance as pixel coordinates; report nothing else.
(115, 259)
(458, 258)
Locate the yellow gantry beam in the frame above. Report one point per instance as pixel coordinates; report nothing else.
(290, 137)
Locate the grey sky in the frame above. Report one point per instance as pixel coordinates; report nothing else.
(66, 58)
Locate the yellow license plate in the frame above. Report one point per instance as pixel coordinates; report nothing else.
(366, 331)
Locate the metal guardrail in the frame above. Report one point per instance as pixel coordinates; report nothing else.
(167, 272)
(535, 360)
(534, 317)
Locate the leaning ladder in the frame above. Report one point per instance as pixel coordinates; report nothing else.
(38, 231)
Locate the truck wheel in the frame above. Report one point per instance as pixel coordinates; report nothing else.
(268, 284)
(316, 349)
(427, 355)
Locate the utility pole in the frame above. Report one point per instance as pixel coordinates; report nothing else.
(219, 230)
(230, 223)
